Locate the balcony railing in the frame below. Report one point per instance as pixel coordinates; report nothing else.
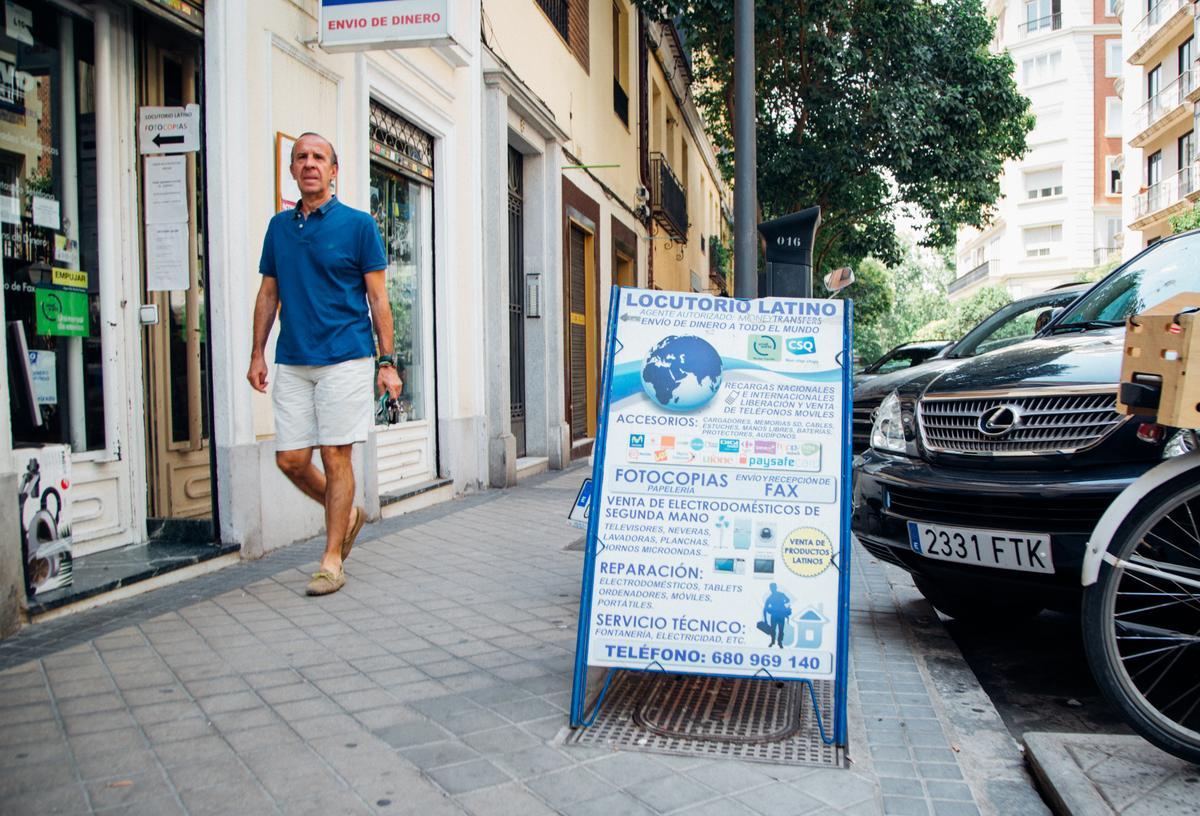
(1165, 101)
(1051, 22)
(716, 262)
(668, 199)
(1167, 192)
(974, 276)
(1103, 255)
(1159, 13)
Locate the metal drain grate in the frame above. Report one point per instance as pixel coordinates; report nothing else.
(753, 720)
(729, 711)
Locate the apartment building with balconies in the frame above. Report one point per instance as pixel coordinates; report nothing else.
(1160, 90)
(1059, 211)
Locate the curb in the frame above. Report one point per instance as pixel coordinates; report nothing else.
(992, 761)
(1066, 785)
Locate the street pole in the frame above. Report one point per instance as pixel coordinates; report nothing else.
(745, 159)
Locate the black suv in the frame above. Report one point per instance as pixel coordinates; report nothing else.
(985, 480)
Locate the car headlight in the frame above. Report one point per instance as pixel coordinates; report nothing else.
(887, 432)
(1181, 442)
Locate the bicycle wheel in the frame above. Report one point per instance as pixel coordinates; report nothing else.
(1141, 622)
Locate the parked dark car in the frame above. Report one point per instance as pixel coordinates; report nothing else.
(985, 480)
(905, 355)
(1008, 325)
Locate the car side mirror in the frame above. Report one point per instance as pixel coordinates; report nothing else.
(839, 279)
(1046, 317)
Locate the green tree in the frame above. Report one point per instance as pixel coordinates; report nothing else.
(965, 314)
(874, 299)
(1185, 221)
(865, 106)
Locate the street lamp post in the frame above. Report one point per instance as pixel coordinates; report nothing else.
(745, 191)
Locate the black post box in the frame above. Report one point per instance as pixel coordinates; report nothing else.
(788, 271)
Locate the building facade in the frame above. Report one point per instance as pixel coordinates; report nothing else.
(144, 146)
(1160, 90)
(597, 172)
(1059, 213)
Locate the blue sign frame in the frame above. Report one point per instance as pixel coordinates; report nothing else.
(579, 716)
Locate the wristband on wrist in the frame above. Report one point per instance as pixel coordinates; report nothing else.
(384, 360)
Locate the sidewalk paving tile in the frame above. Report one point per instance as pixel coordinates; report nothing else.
(436, 682)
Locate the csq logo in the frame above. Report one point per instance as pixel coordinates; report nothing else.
(801, 345)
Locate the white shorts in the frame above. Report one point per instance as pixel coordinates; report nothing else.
(323, 405)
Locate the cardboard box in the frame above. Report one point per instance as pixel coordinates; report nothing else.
(1159, 344)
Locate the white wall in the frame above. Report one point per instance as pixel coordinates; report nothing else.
(264, 77)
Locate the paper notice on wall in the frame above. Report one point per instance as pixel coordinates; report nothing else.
(45, 212)
(18, 22)
(166, 257)
(165, 185)
(45, 377)
(10, 210)
(66, 251)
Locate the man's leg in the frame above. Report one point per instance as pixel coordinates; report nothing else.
(298, 466)
(339, 501)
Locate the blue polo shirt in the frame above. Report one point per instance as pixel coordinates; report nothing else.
(319, 263)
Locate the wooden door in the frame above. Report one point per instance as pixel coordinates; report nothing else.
(582, 350)
(179, 472)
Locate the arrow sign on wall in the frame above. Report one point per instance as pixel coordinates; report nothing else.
(169, 130)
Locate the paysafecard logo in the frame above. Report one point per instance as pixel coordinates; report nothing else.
(801, 345)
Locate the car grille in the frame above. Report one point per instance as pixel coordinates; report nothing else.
(1055, 423)
(861, 429)
(1036, 514)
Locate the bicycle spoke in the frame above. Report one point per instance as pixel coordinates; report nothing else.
(1176, 599)
(1170, 517)
(1192, 602)
(1165, 567)
(1181, 697)
(1170, 543)
(1162, 650)
(1187, 505)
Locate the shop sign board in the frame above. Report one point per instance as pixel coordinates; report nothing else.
(360, 25)
(61, 312)
(169, 130)
(718, 541)
(582, 508)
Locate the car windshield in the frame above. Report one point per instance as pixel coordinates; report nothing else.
(901, 358)
(1010, 324)
(1162, 272)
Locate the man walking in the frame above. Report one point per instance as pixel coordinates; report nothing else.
(322, 264)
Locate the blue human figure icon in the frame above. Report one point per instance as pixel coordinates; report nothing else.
(776, 611)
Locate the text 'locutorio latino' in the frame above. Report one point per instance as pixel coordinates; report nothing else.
(704, 303)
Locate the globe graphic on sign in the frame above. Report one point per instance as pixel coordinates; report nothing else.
(682, 373)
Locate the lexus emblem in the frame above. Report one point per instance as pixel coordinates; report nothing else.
(1000, 420)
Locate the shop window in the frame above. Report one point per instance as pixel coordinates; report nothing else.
(48, 234)
(401, 195)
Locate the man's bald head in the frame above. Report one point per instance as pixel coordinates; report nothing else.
(308, 134)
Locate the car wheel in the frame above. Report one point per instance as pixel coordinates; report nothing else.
(975, 607)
